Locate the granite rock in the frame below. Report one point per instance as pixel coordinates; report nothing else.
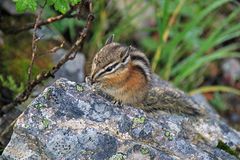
(70, 121)
(73, 69)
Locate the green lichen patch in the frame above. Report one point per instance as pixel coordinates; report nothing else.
(79, 88)
(39, 106)
(47, 95)
(118, 156)
(26, 126)
(170, 138)
(168, 135)
(45, 122)
(139, 120)
(86, 152)
(144, 151)
(223, 146)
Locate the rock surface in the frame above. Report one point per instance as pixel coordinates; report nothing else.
(73, 69)
(70, 121)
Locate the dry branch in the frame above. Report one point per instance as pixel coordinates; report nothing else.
(9, 109)
(68, 14)
(43, 76)
(34, 43)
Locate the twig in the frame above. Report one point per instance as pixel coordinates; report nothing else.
(68, 14)
(51, 51)
(54, 49)
(8, 110)
(44, 75)
(34, 43)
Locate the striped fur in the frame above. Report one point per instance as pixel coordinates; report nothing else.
(122, 71)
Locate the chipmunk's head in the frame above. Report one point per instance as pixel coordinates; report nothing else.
(110, 61)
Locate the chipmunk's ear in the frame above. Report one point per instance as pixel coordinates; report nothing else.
(125, 54)
(109, 39)
(128, 51)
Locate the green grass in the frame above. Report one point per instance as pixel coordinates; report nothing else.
(185, 47)
(188, 34)
(10, 83)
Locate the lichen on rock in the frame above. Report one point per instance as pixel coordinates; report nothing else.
(71, 121)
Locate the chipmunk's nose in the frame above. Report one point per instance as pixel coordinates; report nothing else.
(88, 80)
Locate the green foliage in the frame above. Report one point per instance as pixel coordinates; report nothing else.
(45, 123)
(194, 39)
(223, 146)
(60, 27)
(186, 37)
(23, 5)
(20, 69)
(218, 102)
(183, 49)
(110, 19)
(10, 83)
(59, 5)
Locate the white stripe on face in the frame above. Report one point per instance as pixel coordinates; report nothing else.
(112, 67)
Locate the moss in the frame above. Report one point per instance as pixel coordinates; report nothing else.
(10, 83)
(48, 93)
(170, 138)
(144, 151)
(86, 152)
(223, 146)
(17, 50)
(39, 106)
(27, 126)
(139, 120)
(118, 156)
(79, 88)
(168, 135)
(45, 122)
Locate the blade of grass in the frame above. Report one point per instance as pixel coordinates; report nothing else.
(161, 17)
(193, 23)
(170, 61)
(179, 37)
(126, 22)
(209, 43)
(206, 89)
(165, 31)
(221, 53)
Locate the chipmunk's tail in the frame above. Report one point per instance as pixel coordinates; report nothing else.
(172, 101)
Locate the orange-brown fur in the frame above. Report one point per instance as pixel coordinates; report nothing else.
(129, 85)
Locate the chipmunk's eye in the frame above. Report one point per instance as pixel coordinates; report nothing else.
(110, 68)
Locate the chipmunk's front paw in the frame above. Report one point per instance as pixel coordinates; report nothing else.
(88, 80)
(117, 102)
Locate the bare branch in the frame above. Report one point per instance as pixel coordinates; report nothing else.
(45, 75)
(68, 14)
(9, 112)
(34, 43)
(54, 49)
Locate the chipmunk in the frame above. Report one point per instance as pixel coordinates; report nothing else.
(124, 73)
(121, 71)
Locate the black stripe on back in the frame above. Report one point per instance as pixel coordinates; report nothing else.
(140, 58)
(126, 56)
(141, 70)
